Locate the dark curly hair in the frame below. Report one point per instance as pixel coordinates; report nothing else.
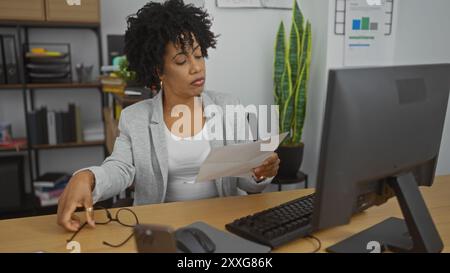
(154, 26)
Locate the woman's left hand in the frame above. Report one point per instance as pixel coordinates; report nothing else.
(269, 167)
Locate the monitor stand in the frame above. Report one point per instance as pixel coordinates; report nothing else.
(417, 233)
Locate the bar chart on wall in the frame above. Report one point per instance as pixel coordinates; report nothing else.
(364, 24)
(340, 17)
(367, 30)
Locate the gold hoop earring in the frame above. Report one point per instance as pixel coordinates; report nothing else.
(161, 85)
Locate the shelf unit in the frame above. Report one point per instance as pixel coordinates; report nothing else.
(50, 85)
(28, 91)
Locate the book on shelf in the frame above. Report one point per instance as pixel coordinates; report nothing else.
(111, 84)
(51, 126)
(48, 194)
(16, 144)
(51, 180)
(110, 80)
(38, 126)
(113, 89)
(78, 125)
(56, 127)
(49, 187)
(94, 131)
(49, 202)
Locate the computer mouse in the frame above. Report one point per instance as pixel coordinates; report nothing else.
(193, 240)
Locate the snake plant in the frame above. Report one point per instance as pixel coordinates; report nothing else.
(291, 75)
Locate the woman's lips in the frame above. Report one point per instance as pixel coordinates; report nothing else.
(198, 82)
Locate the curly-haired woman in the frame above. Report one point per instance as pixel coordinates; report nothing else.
(166, 45)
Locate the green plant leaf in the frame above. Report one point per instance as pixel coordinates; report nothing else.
(291, 75)
(305, 44)
(124, 73)
(300, 106)
(287, 103)
(294, 44)
(279, 62)
(298, 18)
(301, 94)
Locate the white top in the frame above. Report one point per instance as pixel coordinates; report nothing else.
(185, 158)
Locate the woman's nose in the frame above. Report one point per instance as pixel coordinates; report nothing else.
(196, 65)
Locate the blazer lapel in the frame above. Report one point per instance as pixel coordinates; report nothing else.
(159, 141)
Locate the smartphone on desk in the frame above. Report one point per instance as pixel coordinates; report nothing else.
(153, 238)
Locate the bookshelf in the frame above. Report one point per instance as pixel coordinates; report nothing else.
(50, 85)
(28, 91)
(68, 145)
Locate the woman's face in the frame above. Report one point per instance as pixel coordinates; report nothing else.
(184, 70)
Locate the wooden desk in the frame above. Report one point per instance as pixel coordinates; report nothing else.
(42, 234)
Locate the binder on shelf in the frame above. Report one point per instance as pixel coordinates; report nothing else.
(10, 59)
(2, 63)
(79, 127)
(43, 125)
(55, 127)
(65, 127)
(33, 128)
(59, 127)
(72, 123)
(38, 126)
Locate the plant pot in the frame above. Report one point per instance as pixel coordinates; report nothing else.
(291, 158)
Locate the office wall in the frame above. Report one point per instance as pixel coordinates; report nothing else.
(418, 37)
(423, 37)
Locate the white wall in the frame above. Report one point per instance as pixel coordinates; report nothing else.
(417, 38)
(317, 11)
(423, 37)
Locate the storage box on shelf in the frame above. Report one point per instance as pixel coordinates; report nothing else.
(57, 11)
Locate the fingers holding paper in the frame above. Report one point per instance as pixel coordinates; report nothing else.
(268, 168)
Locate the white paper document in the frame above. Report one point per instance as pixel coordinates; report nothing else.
(237, 160)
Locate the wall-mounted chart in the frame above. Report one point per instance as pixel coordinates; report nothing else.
(340, 11)
(366, 39)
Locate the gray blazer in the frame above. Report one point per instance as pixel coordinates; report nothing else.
(140, 154)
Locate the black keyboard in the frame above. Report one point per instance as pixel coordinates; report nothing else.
(278, 225)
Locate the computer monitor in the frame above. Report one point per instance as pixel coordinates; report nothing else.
(381, 138)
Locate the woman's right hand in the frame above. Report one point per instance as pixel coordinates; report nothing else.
(78, 193)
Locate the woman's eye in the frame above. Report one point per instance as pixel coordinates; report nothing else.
(181, 62)
(199, 57)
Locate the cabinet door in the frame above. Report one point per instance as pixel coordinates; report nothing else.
(61, 11)
(24, 10)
